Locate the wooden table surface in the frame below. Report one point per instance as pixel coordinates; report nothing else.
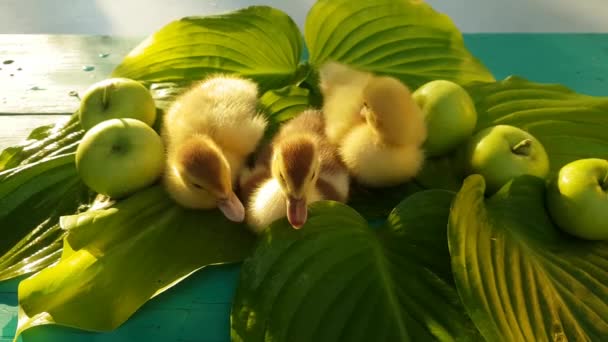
(35, 90)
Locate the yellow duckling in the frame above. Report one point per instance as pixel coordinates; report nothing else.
(299, 167)
(376, 123)
(209, 131)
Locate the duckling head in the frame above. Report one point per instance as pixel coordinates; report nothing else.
(206, 173)
(389, 107)
(296, 165)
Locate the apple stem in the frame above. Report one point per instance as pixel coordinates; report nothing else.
(523, 148)
(605, 183)
(104, 98)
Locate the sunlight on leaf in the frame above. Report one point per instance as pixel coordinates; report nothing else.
(257, 42)
(406, 39)
(520, 278)
(569, 125)
(118, 258)
(32, 198)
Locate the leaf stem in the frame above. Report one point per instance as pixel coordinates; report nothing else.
(523, 147)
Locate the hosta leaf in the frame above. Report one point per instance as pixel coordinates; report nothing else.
(258, 42)
(44, 141)
(117, 258)
(406, 39)
(569, 125)
(32, 198)
(519, 277)
(164, 93)
(377, 203)
(282, 105)
(338, 280)
(444, 172)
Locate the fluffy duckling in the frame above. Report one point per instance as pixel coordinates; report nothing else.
(299, 167)
(209, 131)
(376, 123)
(342, 89)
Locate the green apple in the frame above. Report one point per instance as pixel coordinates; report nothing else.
(120, 156)
(449, 114)
(577, 198)
(501, 153)
(116, 98)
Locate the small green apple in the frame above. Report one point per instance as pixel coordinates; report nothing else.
(449, 113)
(120, 156)
(116, 98)
(577, 198)
(501, 153)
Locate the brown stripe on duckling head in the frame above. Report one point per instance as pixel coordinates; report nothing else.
(203, 163)
(297, 154)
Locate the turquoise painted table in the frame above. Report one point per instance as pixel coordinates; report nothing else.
(34, 91)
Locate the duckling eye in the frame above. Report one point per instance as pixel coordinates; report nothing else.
(197, 186)
(365, 104)
(282, 178)
(314, 174)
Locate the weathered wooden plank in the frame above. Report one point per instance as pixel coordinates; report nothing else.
(38, 72)
(16, 128)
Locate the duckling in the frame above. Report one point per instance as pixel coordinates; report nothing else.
(300, 166)
(342, 89)
(209, 131)
(376, 123)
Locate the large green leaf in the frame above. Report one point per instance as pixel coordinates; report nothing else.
(569, 125)
(405, 38)
(259, 42)
(164, 93)
(282, 105)
(445, 172)
(375, 204)
(519, 277)
(338, 280)
(32, 198)
(117, 258)
(44, 141)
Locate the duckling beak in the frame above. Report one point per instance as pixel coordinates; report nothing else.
(232, 208)
(297, 212)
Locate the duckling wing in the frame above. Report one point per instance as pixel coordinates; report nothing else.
(240, 134)
(376, 164)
